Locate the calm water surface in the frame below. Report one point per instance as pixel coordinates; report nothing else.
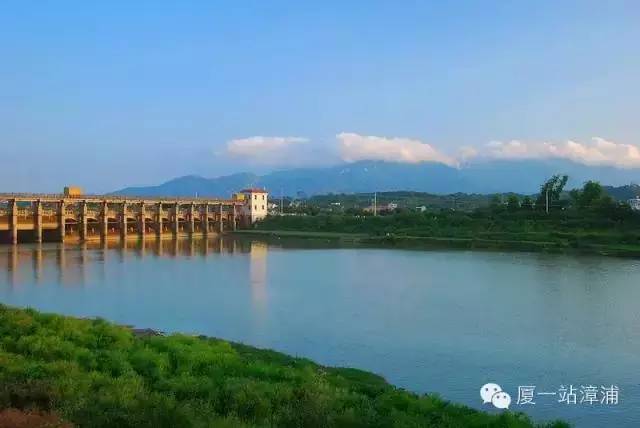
(429, 321)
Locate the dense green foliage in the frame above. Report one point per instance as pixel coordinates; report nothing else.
(95, 374)
(588, 220)
(404, 200)
(356, 203)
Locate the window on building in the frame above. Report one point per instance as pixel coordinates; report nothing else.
(263, 197)
(263, 207)
(255, 207)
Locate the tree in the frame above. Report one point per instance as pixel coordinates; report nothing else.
(590, 196)
(527, 203)
(552, 188)
(495, 202)
(513, 203)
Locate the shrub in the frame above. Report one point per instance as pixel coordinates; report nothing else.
(95, 374)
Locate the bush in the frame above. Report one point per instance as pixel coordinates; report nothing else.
(95, 374)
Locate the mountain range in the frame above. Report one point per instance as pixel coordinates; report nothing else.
(368, 176)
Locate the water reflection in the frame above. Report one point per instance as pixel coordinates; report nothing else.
(12, 265)
(258, 274)
(37, 263)
(69, 262)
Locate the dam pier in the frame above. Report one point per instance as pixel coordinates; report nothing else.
(77, 217)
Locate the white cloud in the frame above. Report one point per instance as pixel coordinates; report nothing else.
(354, 147)
(596, 152)
(258, 146)
(267, 150)
(467, 152)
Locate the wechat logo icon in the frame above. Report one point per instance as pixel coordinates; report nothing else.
(493, 393)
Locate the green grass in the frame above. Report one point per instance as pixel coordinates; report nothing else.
(96, 374)
(542, 242)
(302, 234)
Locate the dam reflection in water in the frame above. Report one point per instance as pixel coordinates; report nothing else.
(75, 264)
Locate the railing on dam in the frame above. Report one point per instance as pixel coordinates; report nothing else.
(114, 198)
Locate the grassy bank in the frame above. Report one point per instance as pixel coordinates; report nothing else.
(552, 244)
(91, 373)
(342, 236)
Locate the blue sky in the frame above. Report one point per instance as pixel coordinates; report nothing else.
(132, 93)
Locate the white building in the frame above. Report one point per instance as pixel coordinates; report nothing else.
(634, 203)
(255, 204)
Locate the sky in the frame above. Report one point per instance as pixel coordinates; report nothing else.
(112, 94)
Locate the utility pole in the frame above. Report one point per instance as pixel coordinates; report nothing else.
(547, 200)
(375, 204)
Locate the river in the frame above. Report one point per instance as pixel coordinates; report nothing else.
(428, 321)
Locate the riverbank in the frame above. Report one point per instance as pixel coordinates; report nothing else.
(96, 374)
(554, 244)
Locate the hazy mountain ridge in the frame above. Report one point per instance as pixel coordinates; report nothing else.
(370, 176)
(192, 185)
(623, 193)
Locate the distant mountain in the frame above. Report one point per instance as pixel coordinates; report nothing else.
(623, 193)
(369, 176)
(192, 185)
